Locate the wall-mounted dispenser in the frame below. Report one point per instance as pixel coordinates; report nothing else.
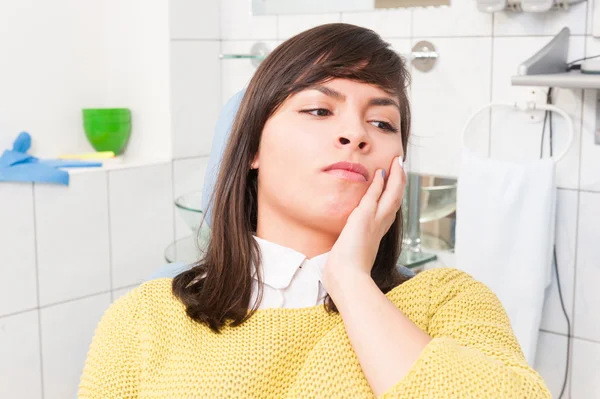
(549, 68)
(525, 5)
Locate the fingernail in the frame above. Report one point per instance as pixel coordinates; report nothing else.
(383, 173)
(400, 162)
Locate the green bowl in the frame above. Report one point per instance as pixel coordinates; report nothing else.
(108, 117)
(107, 129)
(106, 112)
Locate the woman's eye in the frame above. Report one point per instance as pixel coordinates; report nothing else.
(318, 112)
(385, 126)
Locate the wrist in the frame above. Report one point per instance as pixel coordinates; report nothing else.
(341, 283)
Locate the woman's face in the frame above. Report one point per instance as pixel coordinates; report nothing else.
(337, 121)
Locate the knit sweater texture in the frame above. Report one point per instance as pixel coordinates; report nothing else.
(146, 346)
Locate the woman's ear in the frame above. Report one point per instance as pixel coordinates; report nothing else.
(254, 164)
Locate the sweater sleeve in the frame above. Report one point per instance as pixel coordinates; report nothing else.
(113, 363)
(473, 352)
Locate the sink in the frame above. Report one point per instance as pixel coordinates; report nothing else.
(438, 200)
(429, 218)
(189, 249)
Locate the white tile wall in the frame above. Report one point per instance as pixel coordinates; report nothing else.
(18, 286)
(238, 23)
(460, 19)
(590, 152)
(72, 237)
(195, 96)
(236, 73)
(67, 331)
(76, 229)
(188, 176)
(388, 23)
(587, 294)
(586, 373)
(590, 14)
(141, 220)
(550, 361)
(193, 19)
(66, 37)
(547, 23)
(20, 369)
(443, 98)
(290, 25)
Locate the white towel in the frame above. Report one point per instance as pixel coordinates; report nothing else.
(505, 235)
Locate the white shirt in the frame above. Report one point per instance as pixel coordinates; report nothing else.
(290, 279)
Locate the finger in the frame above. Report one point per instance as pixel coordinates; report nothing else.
(391, 199)
(374, 191)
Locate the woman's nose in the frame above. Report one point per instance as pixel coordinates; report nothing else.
(356, 140)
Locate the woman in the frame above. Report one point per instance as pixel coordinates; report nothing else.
(309, 189)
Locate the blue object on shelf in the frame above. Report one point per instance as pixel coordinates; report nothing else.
(17, 166)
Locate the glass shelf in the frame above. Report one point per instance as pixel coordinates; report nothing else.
(185, 250)
(412, 259)
(236, 56)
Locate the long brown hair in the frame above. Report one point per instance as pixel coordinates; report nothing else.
(218, 286)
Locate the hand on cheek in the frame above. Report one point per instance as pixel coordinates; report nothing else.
(356, 247)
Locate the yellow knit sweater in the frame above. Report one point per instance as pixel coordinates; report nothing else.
(146, 347)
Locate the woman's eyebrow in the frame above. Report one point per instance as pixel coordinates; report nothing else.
(376, 101)
(384, 101)
(329, 92)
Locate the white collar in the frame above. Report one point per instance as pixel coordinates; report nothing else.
(280, 263)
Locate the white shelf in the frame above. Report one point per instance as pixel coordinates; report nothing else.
(572, 80)
(117, 163)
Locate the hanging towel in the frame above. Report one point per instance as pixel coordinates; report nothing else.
(17, 166)
(505, 235)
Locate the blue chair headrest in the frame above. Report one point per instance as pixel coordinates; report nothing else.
(222, 130)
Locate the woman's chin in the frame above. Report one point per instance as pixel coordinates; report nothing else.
(338, 215)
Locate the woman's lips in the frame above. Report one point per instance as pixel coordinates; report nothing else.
(349, 171)
(347, 175)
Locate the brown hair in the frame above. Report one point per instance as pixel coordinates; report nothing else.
(218, 287)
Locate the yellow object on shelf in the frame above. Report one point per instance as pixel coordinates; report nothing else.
(89, 155)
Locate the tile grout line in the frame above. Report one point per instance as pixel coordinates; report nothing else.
(570, 341)
(37, 287)
(491, 113)
(593, 341)
(484, 36)
(410, 93)
(50, 305)
(579, 190)
(110, 252)
(63, 302)
(411, 35)
(387, 37)
(18, 312)
(191, 39)
(220, 20)
(173, 210)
